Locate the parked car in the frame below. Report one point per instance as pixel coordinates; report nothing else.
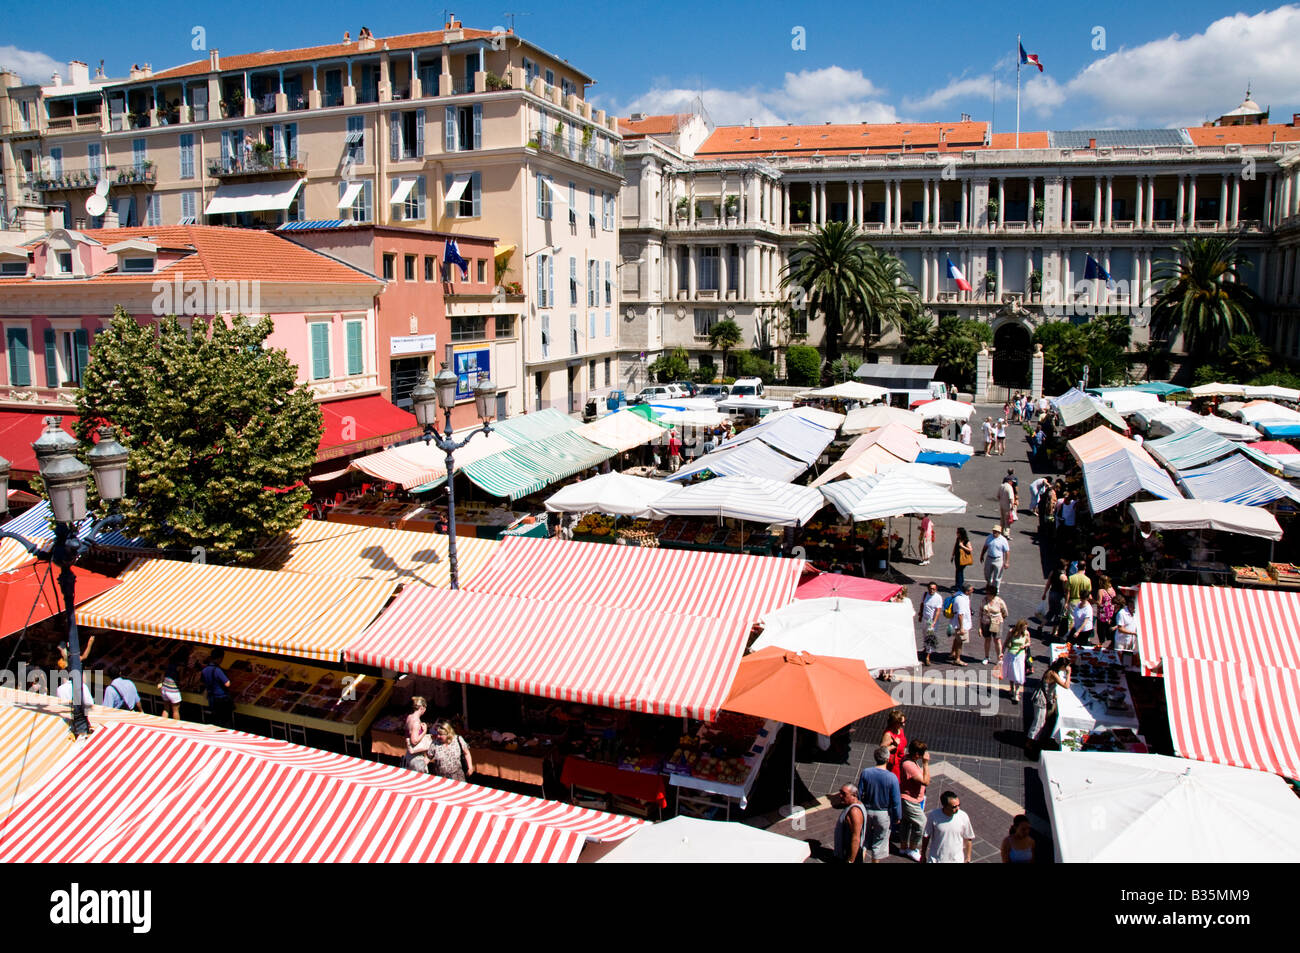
(714, 391)
(653, 394)
(616, 400)
(688, 388)
(747, 387)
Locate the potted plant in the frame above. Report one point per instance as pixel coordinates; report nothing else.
(1038, 211)
(586, 137)
(993, 210)
(495, 82)
(559, 133)
(990, 281)
(683, 207)
(699, 209)
(733, 206)
(799, 211)
(1036, 281)
(262, 153)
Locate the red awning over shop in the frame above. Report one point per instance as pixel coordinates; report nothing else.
(357, 424)
(1218, 623)
(31, 594)
(19, 430)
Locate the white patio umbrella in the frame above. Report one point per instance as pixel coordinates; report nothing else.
(929, 472)
(1148, 808)
(880, 634)
(850, 390)
(1271, 392)
(617, 494)
(689, 840)
(891, 493)
(946, 409)
(1218, 390)
(744, 498)
(869, 418)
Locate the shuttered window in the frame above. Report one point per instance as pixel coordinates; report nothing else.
(356, 352)
(20, 357)
(320, 351)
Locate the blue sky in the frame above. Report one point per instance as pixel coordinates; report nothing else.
(1107, 63)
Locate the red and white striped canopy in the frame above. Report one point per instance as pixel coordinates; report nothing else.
(147, 794)
(1213, 622)
(642, 661)
(720, 585)
(1247, 715)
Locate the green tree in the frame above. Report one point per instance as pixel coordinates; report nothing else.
(673, 366)
(724, 336)
(220, 436)
(1245, 356)
(803, 365)
(917, 334)
(891, 297)
(956, 343)
(1202, 296)
(1100, 345)
(749, 364)
(840, 371)
(830, 272)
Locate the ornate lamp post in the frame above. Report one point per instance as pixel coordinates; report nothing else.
(425, 398)
(66, 479)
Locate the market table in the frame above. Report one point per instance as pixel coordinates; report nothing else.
(606, 778)
(738, 793)
(509, 765)
(1083, 709)
(384, 515)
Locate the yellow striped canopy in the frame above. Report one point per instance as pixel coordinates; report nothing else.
(292, 613)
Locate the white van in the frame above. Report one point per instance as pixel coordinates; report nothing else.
(747, 387)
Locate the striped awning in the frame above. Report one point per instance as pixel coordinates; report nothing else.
(525, 469)
(1189, 448)
(1102, 442)
(31, 743)
(366, 552)
(718, 585)
(637, 660)
(1111, 480)
(747, 459)
(743, 498)
(1075, 407)
(1245, 714)
(525, 428)
(292, 613)
(794, 436)
(873, 452)
(621, 431)
(259, 800)
(1236, 480)
(416, 464)
(891, 493)
(1217, 623)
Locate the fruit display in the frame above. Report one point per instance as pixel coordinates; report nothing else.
(1287, 575)
(1253, 576)
(595, 524)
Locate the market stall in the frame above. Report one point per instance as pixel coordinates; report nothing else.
(1158, 515)
(890, 494)
(1110, 480)
(847, 392)
(1236, 480)
(882, 635)
(879, 415)
(944, 453)
(754, 458)
(614, 493)
(1097, 713)
(750, 499)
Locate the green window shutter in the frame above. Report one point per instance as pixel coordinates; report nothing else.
(82, 344)
(51, 360)
(356, 358)
(320, 351)
(20, 374)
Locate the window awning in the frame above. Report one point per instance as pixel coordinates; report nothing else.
(350, 194)
(354, 137)
(516, 472)
(18, 431)
(401, 190)
(636, 660)
(291, 613)
(503, 251)
(458, 187)
(273, 196)
(372, 422)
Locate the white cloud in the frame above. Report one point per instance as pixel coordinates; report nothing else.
(32, 65)
(959, 91)
(1184, 80)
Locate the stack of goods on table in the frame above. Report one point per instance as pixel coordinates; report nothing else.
(642, 532)
(718, 750)
(595, 528)
(1286, 575)
(1105, 739)
(1098, 678)
(1253, 576)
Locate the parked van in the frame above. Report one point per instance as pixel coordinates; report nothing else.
(747, 387)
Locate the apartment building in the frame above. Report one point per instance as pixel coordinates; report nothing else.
(458, 131)
(715, 224)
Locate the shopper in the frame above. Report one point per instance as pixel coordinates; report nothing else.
(418, 738)
(415, 726)
(1006, 500)
(1018, 845)
(674, 451)
(1083, 621)
(996, 556)
(916, 778)
(170, 686)
(1125, 628)
(992, 614)
(1002, 436)
(949, 836)
(1014, 658)
(961, 627)
(965, 436)
(449, 755)
(121, 692)
(988, 432)
(895, 739)
(1105, 610)
(1054, 590)
(1041, 712)
(963, 555)
(1047, 501)
(851, 827)
(931, 612)
(927, 537)
(221, 706)
(879, 791)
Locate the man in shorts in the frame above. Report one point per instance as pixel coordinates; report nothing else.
(881, 798)
(931, 611)
(961, 627)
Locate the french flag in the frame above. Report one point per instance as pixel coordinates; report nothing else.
(1029, 58)
(955, 274)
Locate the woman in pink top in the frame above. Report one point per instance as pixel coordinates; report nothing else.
(915, 778)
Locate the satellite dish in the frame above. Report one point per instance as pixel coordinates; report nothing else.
(101, 187)
(96, 205)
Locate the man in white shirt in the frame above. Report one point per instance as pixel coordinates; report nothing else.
(966, 433)
(64, 691)
(949, 836)
(961, 623)
(1084, 616)
(1125, 627)
(931, 609)
(988, 435)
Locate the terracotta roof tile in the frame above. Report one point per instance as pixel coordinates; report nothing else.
(1028, 140)
(652, 125)
(828, 139)
(1243, 135)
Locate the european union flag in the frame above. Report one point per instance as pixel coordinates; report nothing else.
(451, 255)
(1092, 271)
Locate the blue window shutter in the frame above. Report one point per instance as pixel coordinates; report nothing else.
(540, 190)
(82, 345)
(419, 132)
(447, 206)
(20, 374)
(608, 327)
(320, 351)
(225, 145)
(394, 136)
(356, 359)
(591, 325)
(541, 281)
(550, 279)
(477, 185)
(51, 360)
(449, 125)
(420, 195)
(478, 126)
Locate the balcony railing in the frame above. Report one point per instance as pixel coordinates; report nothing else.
(135, 175)
(545, 141)
(264, 103)
(85, 123)
(257, 164)
(66, 180)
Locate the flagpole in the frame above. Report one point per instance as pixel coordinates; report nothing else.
(1018, 91)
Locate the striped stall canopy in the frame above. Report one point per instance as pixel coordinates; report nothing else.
(621, 431)
(874, 459)
(747, 459)
(892, 493)
(525, 469)
(1189, 448)
(31, 743)
(638, 660)
(415, 464)
(743, 498)
(1265, 411)
(292, 613)
(718, 585)
(1075, 407)
(1102, 442)
(141, 790)
(813, 415)
(794, 436)
(365, 552)
(1111, 480)
(1217, 623)
(1236, 480)
(525, 428)
(1241, 714)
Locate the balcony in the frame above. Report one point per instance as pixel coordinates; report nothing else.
(135, 175)
(544, 141)
(86, 123)
(257, 163)
(65, 181)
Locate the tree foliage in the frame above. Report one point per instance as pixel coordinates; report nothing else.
(830, 271)
(803, 365)
(1244, 359)
(673, 366)
(1201, 295)
(220, 435)
(956, 344)
(1101, 345)
(724, 336)
(749, 364)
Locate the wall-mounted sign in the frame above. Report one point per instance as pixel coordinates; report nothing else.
(413, 344)
(471, 363)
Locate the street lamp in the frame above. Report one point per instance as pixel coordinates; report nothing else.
(425, 398)
(66, 479)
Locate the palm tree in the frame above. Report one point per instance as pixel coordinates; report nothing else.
(832, 267)
(723, 336)
(893, 296)
(1202, 295)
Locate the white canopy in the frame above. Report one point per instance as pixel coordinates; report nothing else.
(615, 493)
(1265, 411)
(1167, 418)
(850, 390)
(939, 445)
(689, 840)
(686, 403)
(946, 409)
(1218, 390)
(1206, 514)
(743, 498)
(929, 472)
(814, 415)
(1128, 401)
(890, 494)
(270, 196)
(869, 418)
(1271, 392)
(1148, 808)
(620, 431)
(881, 634)
(753, 404)
(687, 418)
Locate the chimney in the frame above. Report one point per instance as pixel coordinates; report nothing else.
(110, 218)
(56, 80)
(214, 60)
(78, 73)
(99, 70)
(80, 225)
(965, 117)
(1295, 119)
(1092, 143)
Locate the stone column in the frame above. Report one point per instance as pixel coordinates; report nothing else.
(674, 281)
(724, 253)
(1029, 208)
(1182, 196)
(1236, 200)
(1002, 203)
(1109, 204)
(1191, 201)
(925, 203)
(751, 272)
(812, 198)
(1069, 203)
(852, 210)
(925, 274)
(938, 210)
(1036, 373)
(965, 204)
(889, 204)
(898, 204)
(1139, 204)
(691, 271)
(1151, 200)
(862, 202)
(1223, 201)
(690, 199)
(1096, 203)
(785, 204)
(1268, 201)
(983, 375)
(997, 292)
